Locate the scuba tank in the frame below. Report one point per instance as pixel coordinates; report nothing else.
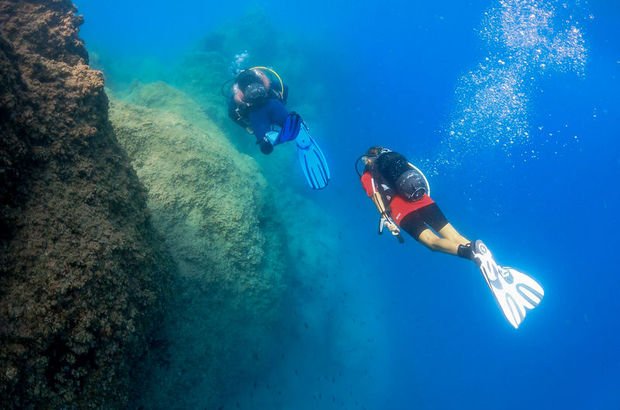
(406, 179)
(396, 174)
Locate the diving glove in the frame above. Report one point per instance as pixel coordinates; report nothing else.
(265, 145)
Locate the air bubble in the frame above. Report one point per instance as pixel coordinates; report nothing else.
(526, 40)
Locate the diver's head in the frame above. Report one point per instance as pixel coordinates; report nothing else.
(371, 154)
(247, 77)
(254, 93)
(374, 151)
(365, 162)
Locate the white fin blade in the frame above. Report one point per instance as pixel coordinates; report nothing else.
(514, 291)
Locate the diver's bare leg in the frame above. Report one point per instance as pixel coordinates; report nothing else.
(453, 235)
(435, 243)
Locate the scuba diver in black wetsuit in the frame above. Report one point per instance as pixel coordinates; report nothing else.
(257, 104)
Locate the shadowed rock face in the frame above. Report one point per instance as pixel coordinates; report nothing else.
(81, 269)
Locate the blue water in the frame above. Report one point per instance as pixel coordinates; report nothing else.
(417, 330)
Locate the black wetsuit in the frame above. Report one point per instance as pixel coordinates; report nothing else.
(261, 114)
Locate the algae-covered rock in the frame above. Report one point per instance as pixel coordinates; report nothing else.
(212, 206)
(82, 272)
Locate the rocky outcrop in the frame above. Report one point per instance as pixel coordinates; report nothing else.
(81, 269)
(220, 223)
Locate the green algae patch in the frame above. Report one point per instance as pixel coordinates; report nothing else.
(212, 206)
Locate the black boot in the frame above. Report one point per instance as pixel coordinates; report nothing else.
(466, 251)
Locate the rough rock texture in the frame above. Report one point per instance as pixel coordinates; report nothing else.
(213, 207)
(81, 272)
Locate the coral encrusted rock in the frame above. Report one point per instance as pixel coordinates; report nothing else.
(82, 271)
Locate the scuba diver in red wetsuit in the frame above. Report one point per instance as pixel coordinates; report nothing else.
(401, 194)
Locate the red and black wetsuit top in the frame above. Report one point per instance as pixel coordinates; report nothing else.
(398, 206)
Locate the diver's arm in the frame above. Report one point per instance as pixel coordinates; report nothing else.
(237, 95)
(236, 113)
(386, 219)
(370, 186)
(378, 201)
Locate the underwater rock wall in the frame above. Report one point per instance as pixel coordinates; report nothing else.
(213, 206)
(82, 272)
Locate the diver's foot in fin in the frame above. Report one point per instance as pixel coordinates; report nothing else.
(514, 291)
(466, 251)
(290, 130)
(483, 258)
